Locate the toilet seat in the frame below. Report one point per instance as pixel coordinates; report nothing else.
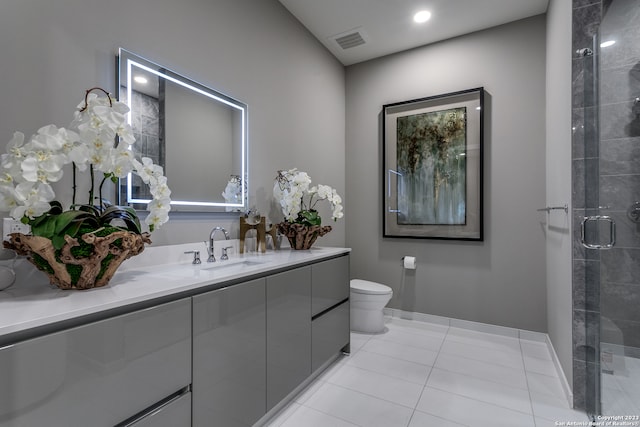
(366, 287)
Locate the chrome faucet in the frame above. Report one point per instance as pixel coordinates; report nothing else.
(212, 258)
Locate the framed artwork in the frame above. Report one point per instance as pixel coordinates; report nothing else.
(433, 167)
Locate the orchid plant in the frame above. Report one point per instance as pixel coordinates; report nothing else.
(98, 140)
(233, 192)
(298, 199)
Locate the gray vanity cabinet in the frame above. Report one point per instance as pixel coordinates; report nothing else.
(288, 332)
(100, 373)
(330, 309)
(229, 352)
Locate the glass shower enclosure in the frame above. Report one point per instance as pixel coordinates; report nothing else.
(607, 218)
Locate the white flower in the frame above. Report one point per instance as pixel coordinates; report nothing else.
(27, 169)
(290, 189)
(147, 170)
(159, 188)
(79, 155)
(156, 218)
(15, 152)
(122, 162)
(7, 198)
(33, 199)
(337, 212)
(42, 166)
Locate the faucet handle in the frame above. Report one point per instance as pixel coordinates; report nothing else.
(224, 253)
(196, 256)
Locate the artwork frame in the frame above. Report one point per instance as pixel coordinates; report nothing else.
(433, 167)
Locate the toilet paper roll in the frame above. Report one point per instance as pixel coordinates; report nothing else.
(409, 262)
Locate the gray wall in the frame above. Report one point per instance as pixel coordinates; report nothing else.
(558, 181)
(501, 280)
(253, 50)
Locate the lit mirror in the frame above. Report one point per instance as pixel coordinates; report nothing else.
(198, 135)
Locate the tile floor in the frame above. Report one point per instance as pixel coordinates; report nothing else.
(422, 374)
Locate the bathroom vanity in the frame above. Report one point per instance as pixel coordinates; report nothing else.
(221, 344)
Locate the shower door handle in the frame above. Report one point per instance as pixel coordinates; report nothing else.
(597, 219)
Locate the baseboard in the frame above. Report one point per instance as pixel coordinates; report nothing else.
(490, 329)
(568, 392)
(467, 324)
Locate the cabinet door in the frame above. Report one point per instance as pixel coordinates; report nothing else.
(97, 374)
(330, 283)
(288, 332)
(229, 352)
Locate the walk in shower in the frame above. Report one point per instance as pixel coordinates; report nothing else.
(606, 202)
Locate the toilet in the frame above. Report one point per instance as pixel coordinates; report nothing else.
(367, 301)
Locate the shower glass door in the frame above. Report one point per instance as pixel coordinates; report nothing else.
(617, 194)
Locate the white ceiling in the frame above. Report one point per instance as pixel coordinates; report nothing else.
(387, 25)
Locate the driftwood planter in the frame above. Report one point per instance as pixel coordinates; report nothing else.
(302, 236)
(67, 270)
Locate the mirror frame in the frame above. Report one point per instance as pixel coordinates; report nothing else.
(125, 61)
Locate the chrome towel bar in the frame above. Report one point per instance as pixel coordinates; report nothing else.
(548, 209)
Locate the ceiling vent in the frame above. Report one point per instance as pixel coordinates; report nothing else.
(350, 38)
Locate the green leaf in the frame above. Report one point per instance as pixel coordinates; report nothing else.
(65, 219)
(94, 210)
(74, 228)
(309, 217)
(58, 241)
(45, 227)
(124, 213)
(56, 208)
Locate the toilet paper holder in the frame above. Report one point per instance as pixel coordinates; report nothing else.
(409, 262)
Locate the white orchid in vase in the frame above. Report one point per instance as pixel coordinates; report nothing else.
(298, 200)
(98, 140)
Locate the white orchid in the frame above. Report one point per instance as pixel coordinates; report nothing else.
(147, 170)
(290, 189)
(32, 199)
(233, 193)
(122, 162)
(28, 168)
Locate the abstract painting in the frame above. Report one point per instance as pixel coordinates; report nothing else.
(431, 160)
(433, 166)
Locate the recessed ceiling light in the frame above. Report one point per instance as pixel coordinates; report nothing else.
(422, 16)
(608, 43)
(140, 79)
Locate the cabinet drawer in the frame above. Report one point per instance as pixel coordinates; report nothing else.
(330, 283)
(329, 334)
(97, 374)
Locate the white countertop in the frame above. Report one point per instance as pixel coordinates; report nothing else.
(32, 303)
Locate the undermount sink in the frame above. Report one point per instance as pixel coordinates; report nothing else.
(206, 269)
(227, 264)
